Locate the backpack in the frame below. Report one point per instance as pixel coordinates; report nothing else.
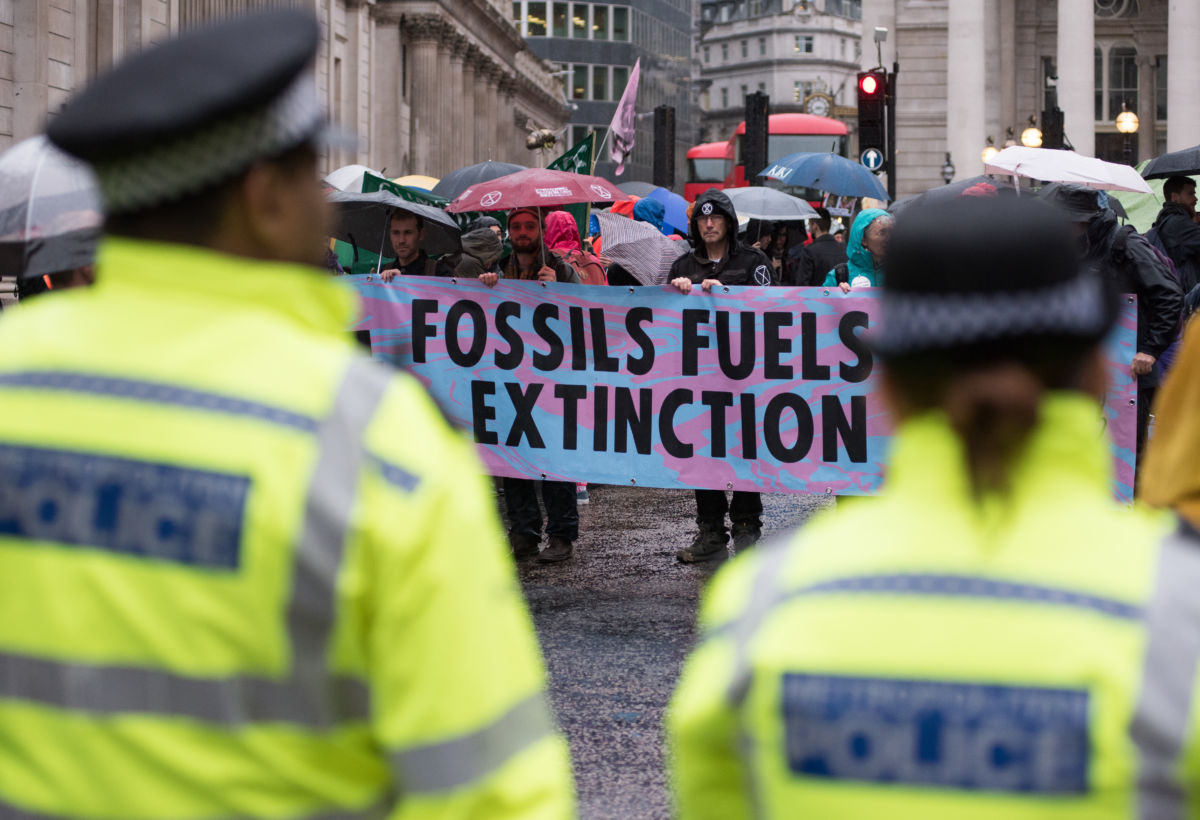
(590, 271)
(1185, 273)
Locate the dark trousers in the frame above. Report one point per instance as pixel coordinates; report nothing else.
(524, 515)
(1145, 400)
(712, 505)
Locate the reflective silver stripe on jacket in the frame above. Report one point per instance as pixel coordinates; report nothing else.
(1164, 707)
(463, 760)
(376, 811)
(309, 696)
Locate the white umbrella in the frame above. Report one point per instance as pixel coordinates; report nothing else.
(1051, 165)
(769, 204)
(639, 248)
(349, 178)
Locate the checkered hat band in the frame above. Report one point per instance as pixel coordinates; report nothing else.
(916, 322)
(175, 169)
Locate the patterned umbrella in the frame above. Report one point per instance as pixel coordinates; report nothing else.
(536, 188)
(639, 248)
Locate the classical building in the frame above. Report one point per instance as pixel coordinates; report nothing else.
(1014, 59)
(804, 54)
(594, 47)
(426, 86)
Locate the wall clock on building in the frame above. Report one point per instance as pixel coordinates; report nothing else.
(819, 105)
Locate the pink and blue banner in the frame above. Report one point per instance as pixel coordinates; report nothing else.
(769, 389)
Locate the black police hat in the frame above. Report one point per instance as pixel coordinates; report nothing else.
(194, 111)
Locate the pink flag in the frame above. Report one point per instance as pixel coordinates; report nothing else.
(621, 130)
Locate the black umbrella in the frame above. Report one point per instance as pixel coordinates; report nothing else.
(1114, 204)
(363, 221)
(945, 193)
(455, 182)
(50, 211)
(1183, 163)
(638, 189)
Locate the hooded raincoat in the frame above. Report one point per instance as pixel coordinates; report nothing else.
(741, 264)
(858, 259)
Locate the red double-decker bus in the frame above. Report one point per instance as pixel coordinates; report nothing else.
(708, 166)
(787, 134)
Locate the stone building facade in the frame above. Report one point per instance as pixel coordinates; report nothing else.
(804, 54)
(1013, 59)
(426, 86)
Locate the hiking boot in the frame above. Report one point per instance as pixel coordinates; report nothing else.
(559, 549)
(708, 545)
(745, 536)
(523, 544)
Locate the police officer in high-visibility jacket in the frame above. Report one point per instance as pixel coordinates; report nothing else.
(992, 636)
(245, 572)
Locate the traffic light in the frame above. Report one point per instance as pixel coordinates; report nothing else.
(872, 105)
(664, 146)
(754, 143)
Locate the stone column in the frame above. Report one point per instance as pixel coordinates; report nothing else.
(1076, 73)
(1183, 111)
(386, 96)
(446, 89)
(469, 81)
(423, 32)
(1008, 69)
(965, 86)
(485, 92)
(1145, 107)
(505, 87)
(458, 122)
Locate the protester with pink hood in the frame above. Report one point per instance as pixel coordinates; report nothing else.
(562, 237)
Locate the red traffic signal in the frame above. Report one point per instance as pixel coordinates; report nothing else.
(871, 84)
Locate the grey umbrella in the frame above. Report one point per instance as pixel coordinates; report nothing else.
(769, 204)
(638, 189)
(455, 182)
(50, 212)
(363, 221)
(954, 190)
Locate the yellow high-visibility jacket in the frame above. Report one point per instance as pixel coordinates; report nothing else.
(245, 571)
(922, 654)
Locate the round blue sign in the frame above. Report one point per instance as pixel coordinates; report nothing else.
(872, 158)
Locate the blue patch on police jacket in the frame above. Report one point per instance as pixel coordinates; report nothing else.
(948, 735)
(135, 508)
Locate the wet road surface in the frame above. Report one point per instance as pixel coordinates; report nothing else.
(615, 623)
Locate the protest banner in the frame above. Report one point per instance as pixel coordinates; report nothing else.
(746, 388)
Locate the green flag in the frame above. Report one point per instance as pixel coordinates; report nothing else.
(579, 160)
(372, 183)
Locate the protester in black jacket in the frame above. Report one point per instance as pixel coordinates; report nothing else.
(1178, 230)
(819, 258)
(718, 258)
(1123, 256)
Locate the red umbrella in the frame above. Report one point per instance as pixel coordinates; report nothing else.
(534, 188)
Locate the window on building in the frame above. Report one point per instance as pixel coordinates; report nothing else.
(803, 44)
(620, 77)
(756, 8)
(1122, 79)
(579, 21)
(579, 82)
(857, 50)
(517, 19)
(843, 44)
(745, 49)
(559, 26)
(796, 97)
(535, 19)
(1049, 84)
(620, 24)
(762, 46)
(1099, 83)
(724, 97)
(578, 134)
(706, 54)
(599, 82)
(724, 51)
(599, 22)
(745, 91)
(1160, 88)
(1116, 8)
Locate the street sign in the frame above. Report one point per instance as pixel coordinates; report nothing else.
(873, 159)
